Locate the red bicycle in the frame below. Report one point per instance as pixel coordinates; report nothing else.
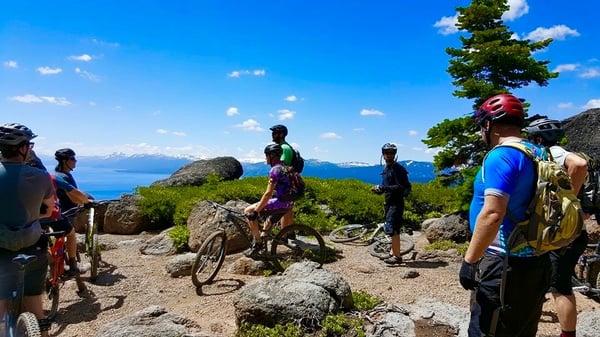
(56, 272)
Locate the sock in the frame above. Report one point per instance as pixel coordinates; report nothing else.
(568, 334)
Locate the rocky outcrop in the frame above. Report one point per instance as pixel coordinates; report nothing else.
(153, 321)
(161, 244)
(124, 216)
(449, 227)
(583, 132)
(205, 220)
(80, 221)
(181, 265)
(196, 173)
(303, 293)
(248, 266)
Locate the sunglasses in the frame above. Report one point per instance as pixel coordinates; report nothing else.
(30, 144)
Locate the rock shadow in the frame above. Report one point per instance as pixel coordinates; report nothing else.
(220, 287)
(85, 310)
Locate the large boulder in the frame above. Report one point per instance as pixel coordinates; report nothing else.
(303, 293)
(196, 173)
(80, 221)
(154, 321)
(124, 216)
(205, 220)
(583, 132)
(180, 265)
(449, 227)
(161, 244)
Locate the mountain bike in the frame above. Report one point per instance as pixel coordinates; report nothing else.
(373, 235)
(17, 323)
(291, 244)
(587, 274)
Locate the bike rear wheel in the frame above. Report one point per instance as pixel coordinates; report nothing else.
(381, 248)
(209, 259)
(348, 233)
(27, 326)
(52, 300)
(297, 243)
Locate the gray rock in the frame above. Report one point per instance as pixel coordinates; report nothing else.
(588, 324)
(161, 244)
(181, 265)
(445, 314)
(583, 132)
(247, 266)
(293, 297)
(450, 227)
(81, 220)
(196, 173)
(130, 243)
(428, 222)
(411, 273)
(205, 220)
(393, 324)
(124, 216)
(153, 321)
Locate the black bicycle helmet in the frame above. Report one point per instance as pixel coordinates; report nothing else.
(389, 147)
(280, 128)
(273, 149)
(13, 134)
(549, 129)
(64, 154)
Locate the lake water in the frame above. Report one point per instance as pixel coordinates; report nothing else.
(105, 184)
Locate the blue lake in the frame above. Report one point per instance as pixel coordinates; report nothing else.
(111, 184)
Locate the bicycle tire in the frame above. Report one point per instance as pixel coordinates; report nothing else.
(207, 252)
(297, 250)
(53, 296)
(348, 233)
(27, 326)
(93, 246)
(381, 248)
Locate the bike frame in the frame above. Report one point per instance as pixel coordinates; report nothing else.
(57, 255)
(15, 303)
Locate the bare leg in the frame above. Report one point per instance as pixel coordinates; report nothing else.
(287, 219)
(566, 308)
(71, 244)
(396, 245)
(252, 223)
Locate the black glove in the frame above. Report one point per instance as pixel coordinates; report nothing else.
(89, 205)
(467, 275)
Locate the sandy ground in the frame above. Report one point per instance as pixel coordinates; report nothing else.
(130, 281)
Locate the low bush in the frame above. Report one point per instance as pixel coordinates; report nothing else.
(341, 325)
(447, 245)
(258, 330)
(180, 235)
(363, 301)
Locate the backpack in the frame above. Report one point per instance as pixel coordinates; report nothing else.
(590, 191)
(297, 185)
(554, 216)
(297, 161)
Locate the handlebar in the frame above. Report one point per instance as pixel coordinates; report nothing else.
(216, 205)
(56, 234)
(93, 204)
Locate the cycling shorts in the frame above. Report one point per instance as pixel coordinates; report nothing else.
(35, 272)
(563, 265)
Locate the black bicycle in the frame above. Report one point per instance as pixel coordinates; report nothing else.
(291, 244)
(587, 274)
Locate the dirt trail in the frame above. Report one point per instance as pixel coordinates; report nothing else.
(130, 281)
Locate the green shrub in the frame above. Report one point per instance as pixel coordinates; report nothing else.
(257, 330)
(341, 325)
(447, 245)
(363, 301)
(180, 235)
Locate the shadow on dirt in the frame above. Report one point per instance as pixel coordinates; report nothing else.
(220, 287)
(86, 309)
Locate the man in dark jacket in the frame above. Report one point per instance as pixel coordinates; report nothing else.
(395, 186)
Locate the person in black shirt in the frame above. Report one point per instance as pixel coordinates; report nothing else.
(395, 186)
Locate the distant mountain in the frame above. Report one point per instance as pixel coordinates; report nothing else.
(158, 164)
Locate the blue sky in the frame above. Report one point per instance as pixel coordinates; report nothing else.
(208, 78)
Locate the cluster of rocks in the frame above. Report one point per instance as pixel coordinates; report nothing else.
(452, 227)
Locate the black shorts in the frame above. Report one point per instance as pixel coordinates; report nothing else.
(394, 219)
(563, 265)
(35, 272)
(61, 225)
(526, 285)
(273, 216)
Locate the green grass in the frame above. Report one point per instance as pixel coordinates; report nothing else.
(342, 325)
(334, 325)
(257, 330)
(447, 245)
(364, 301)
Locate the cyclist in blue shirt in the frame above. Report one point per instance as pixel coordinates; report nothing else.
(503, 189)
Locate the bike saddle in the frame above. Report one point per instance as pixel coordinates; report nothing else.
(22, 260)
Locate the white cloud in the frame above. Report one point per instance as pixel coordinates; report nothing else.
(413, 133)
(565, 105)
(250, 125)
(417, 148)
(82, 58)
(590, 73)
(566, 67)
(291, 98)
(447, 25)
(517, 9)
(259, 72)
(118, 108)
(87, 75)
(319, 150)
(330, 135)
(234, 74)
(558, 32)
(11, 64)
(29, 99)
(105, 43)
(285, 114)
(49, 71)
(167, 132)
(592, 104)
(358, 129)
(371, 112)
(179, 133)
(162, 131)
(232, 111)
(92, 103)
(240, 73)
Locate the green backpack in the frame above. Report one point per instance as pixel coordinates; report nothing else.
(554, 216)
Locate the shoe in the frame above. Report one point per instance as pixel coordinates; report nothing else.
(255, 251)
(393, 260)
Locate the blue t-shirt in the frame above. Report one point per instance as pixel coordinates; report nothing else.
(64, 183)
(510, 173)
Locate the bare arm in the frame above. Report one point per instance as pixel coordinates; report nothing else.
(49, 203)
(266, 196)
(78, 197)
(486, 229)
(577, 170)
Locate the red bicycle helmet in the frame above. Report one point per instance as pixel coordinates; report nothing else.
(502, 107)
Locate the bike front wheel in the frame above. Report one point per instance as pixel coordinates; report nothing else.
(93, 247)
(209, 259)
(381, 248)
(296, 243)
(27, 326)
(348, 233)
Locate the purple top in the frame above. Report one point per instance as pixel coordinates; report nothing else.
(279, 177)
